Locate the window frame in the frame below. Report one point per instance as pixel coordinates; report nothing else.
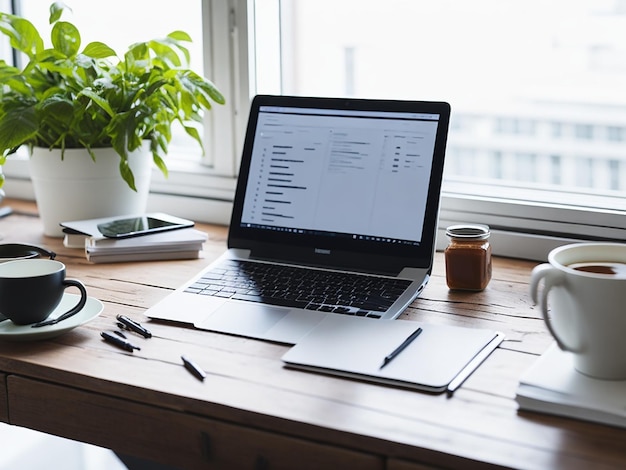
(523, 224)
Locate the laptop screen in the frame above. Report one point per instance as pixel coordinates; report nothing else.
(356, 175)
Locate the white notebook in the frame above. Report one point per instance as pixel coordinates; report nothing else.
(552, 385)
(439, 359)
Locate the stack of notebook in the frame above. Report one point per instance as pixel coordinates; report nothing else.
(185, 243)
(552, 385)
(176, 244)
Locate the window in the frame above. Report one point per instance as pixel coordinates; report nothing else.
(508, 125)
(495, 165)
(537, 107)
(556, 129)
(555, 171)
(616, 134)
(583, 131)
(614, 176)
(584, 172)
(526, 167)
(538, 120)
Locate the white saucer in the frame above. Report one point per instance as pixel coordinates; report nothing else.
(9, 331)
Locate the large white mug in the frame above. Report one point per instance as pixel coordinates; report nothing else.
(583, 303)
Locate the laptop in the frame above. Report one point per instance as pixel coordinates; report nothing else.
(335, 213)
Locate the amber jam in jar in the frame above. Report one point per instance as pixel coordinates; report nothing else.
(468, 257)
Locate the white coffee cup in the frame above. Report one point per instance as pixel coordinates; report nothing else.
(583, 303)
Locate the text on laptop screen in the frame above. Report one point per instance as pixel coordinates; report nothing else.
(341, 173)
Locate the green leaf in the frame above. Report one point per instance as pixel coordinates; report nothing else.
(15, 83)
(204, 101)
(207, 86)
(7, 70)
(137, 58)
(65, 38)
(193, 132)
(176, 37)
(56, 113)
(56, 10)
(22, 34)
(165, 53)
(98, 100)
(139, 51)
(158, 161)
(213, 92)
(155, 86)
(17, 127)
(98, 50)
(179, 36)
(127, 174)
(47, 58)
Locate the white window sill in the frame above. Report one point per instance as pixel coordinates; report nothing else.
(528, 223)
(190, 191)
(523, 224)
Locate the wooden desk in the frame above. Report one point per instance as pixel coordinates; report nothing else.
(251, 412)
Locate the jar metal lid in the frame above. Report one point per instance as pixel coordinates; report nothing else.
(469, 231)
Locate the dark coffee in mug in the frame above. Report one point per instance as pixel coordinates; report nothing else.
(597, 267)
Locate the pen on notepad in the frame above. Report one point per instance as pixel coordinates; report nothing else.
(474, 363)
(401, 348)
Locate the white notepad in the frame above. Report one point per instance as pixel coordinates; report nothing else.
(439, 359)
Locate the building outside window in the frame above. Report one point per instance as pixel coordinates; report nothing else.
(583, 131)
(615, 180)
(584, 172)
(616, 134)
(555, 169)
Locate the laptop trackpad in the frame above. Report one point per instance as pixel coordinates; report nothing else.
(243, 318)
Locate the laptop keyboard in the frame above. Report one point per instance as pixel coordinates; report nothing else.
(311, 289)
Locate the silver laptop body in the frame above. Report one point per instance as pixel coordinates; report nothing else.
(349, 187)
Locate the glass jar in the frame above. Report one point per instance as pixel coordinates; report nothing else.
(468, 257)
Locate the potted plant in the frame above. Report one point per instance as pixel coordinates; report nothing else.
(75, 100)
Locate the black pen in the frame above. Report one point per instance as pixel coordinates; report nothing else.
(401, 348)
(193, 367)
(119, 342)
(133, 325)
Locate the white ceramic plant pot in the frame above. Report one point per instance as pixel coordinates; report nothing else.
(77, 187)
